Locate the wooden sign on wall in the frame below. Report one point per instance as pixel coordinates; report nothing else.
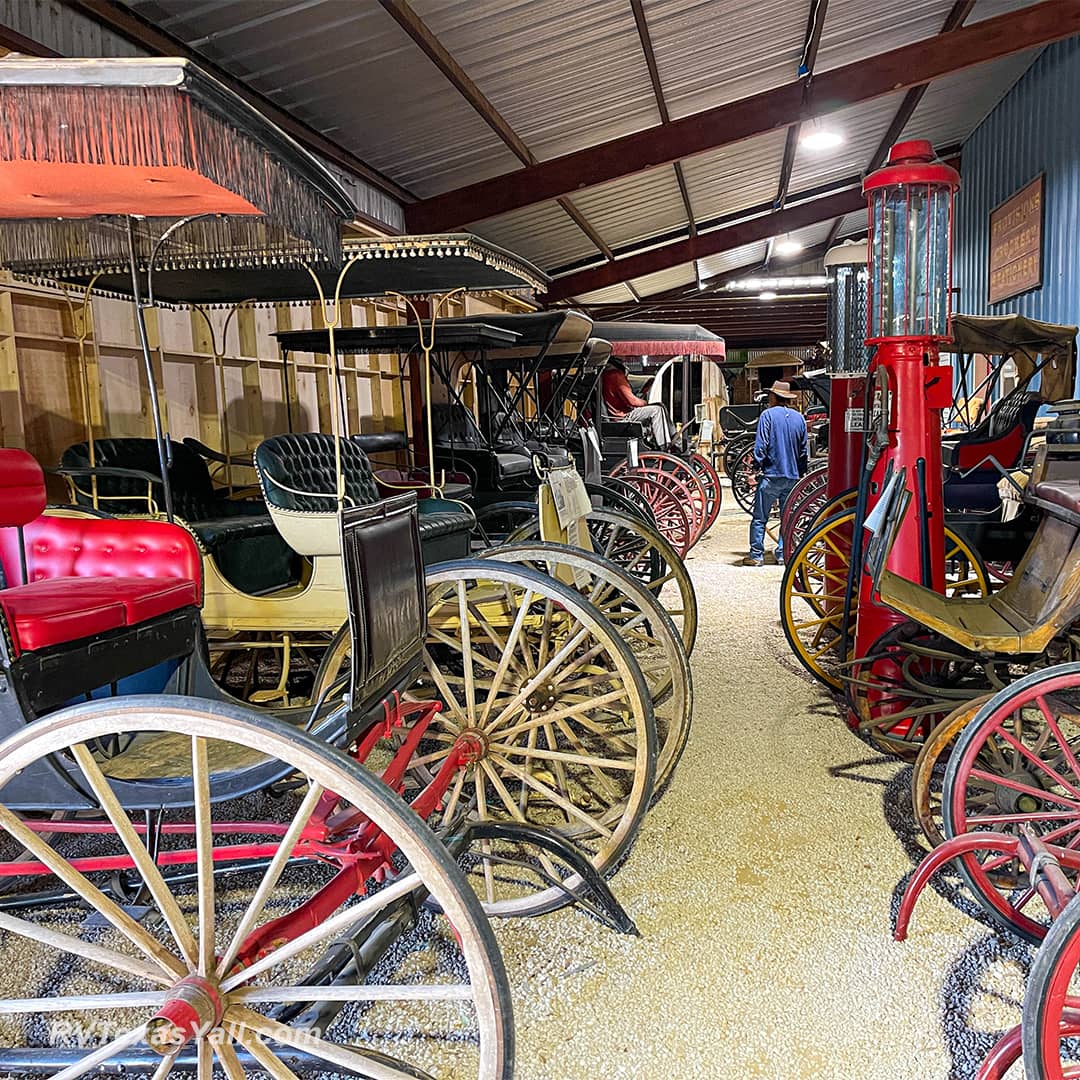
(1016, 235)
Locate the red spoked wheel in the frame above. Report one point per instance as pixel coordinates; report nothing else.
(670, 500)
(1017, 763)
(669, 466)
(714, 493)
(1050, 1032)
(810, 491)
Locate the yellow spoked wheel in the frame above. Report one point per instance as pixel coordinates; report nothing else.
(815, 582)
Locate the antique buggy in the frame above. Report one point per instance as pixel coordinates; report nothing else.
(159, 813)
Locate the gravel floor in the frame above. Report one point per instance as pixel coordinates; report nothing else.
(763, 884)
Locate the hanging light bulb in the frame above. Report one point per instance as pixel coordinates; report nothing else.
(787, 246)
(820, 138)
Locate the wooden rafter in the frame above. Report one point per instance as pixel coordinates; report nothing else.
(897, 69)
(428, 42)
(711, 243)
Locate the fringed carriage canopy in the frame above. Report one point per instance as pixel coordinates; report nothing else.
(415, 265)
(86, 145)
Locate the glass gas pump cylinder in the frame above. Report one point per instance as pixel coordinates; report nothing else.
(910, 204)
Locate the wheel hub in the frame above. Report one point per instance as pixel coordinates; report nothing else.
(193, 1007)
(1010, 801)
(542, 699)
(472, 745)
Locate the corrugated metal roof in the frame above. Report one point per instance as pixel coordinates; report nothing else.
(954, 106)
(634, 208)
(351, 72)
(857, 29)
(665, 279)
(747, 255)
(735, 177)
(863, 127)
(67, 32)
(544, 234)
(710, 53)
(587, 78)
(614, 294)
(853, 224)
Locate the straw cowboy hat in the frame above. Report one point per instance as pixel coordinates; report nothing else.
(783, 390)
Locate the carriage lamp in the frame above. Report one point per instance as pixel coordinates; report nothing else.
(910, 204)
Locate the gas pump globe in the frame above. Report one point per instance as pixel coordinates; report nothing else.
(910, 204)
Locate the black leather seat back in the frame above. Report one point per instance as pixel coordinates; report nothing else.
(384, 586)
(299, 472)
(192, 489)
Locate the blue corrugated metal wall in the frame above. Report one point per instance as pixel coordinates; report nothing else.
(1035, 128)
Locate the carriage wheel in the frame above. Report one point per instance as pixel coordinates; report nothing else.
(1050, 1029)
(1015, 764)
(744, 482)
(555, 710)
(816, 511)
(496, 521)
(735, 450)
(643, 625)
(927, 775)
(909, 682)
(215, 979)
(688, 483)
(671, 504)
(811, 489)
(815, 583)
(714, 491)
(644, 554)
(617, 494)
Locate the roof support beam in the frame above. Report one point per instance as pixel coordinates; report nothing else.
(698, 247)
(403, 14)
(815, 24)
(642, 24)
(897, 69)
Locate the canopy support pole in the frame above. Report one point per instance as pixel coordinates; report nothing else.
(144, 342)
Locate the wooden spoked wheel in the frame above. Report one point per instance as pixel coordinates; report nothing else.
(615, 494)
(645, 627)
(555, 712)
(744, 481)
(811, 493)
(816, 511)
(688, 483)
(909, 682)
(218, 982)
(1050, 1030)
(929, 770)
(714, 491)
(734, 450)
(1015, 764)
(814, 586)
(643, 553)
(671, 504)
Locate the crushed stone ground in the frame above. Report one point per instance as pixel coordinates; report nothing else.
(764, 885)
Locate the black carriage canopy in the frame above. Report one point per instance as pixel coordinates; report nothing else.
(415, 266)
(91, 149)
(349, 340)
(659, 339)
(1025, 341)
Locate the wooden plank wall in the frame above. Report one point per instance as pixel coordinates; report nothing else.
(221, 373)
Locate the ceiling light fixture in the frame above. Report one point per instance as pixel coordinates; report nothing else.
(787, 246)
(757, 284)
(819, 138)
(768, 294)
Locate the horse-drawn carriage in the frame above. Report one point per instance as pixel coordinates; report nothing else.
(199, 884)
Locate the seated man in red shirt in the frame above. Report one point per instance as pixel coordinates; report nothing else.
(621, 403)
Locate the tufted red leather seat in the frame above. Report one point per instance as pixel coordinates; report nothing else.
(85, 576)
(1062, 492)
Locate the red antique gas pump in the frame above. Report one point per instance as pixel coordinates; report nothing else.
(910, 202)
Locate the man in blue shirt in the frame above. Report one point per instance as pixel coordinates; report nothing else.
(781, 453)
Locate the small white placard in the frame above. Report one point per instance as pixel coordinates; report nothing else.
(853, 419)
(571, 498)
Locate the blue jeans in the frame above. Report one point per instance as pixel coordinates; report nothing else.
(770, 489)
